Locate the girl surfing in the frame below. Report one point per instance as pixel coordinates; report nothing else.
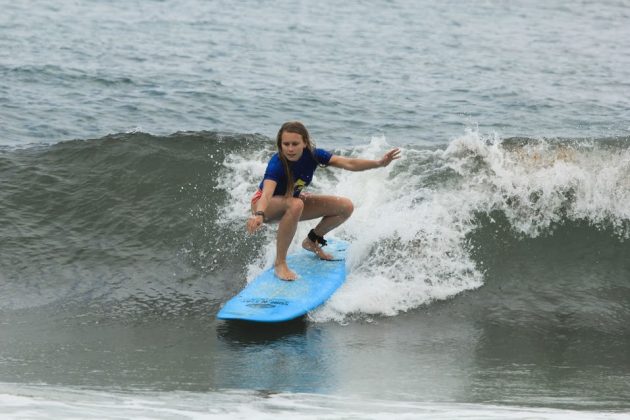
(280, 198)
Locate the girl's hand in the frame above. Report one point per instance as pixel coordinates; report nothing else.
(389, 156)
(254, 223)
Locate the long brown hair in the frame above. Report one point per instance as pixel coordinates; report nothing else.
(297, 128)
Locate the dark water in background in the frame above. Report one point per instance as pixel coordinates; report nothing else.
(414, 70)
(489, 268)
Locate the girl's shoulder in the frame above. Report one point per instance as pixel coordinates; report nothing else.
(274, 159)
(274, 164)
(322, 156)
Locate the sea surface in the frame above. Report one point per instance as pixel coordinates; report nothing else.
(489, 271)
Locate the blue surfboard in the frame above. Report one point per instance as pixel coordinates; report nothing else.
(269, 299)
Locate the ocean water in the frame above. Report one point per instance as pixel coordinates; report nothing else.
(489, 272)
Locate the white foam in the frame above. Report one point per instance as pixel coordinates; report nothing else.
(409, 243)
(542, 183)
(45, 402)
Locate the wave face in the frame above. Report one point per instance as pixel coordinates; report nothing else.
(126, 219)
(134, 224)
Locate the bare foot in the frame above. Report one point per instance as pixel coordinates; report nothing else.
(284, 273)
(309, 245)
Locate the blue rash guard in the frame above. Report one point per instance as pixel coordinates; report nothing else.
(302, 171)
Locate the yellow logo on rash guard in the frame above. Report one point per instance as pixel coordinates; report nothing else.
(299, 185)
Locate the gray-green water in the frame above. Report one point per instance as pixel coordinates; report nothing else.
(501, 290)
(414, 70)
(488, 273)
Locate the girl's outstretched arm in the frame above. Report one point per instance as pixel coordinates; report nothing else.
(355, 164)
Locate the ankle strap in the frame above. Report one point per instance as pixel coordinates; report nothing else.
(316, 238)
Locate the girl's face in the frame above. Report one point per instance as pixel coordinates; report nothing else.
(292, 145)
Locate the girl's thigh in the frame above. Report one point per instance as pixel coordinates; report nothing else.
(316, 206)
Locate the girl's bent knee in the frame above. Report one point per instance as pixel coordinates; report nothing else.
(348, 207)
(296, 206)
